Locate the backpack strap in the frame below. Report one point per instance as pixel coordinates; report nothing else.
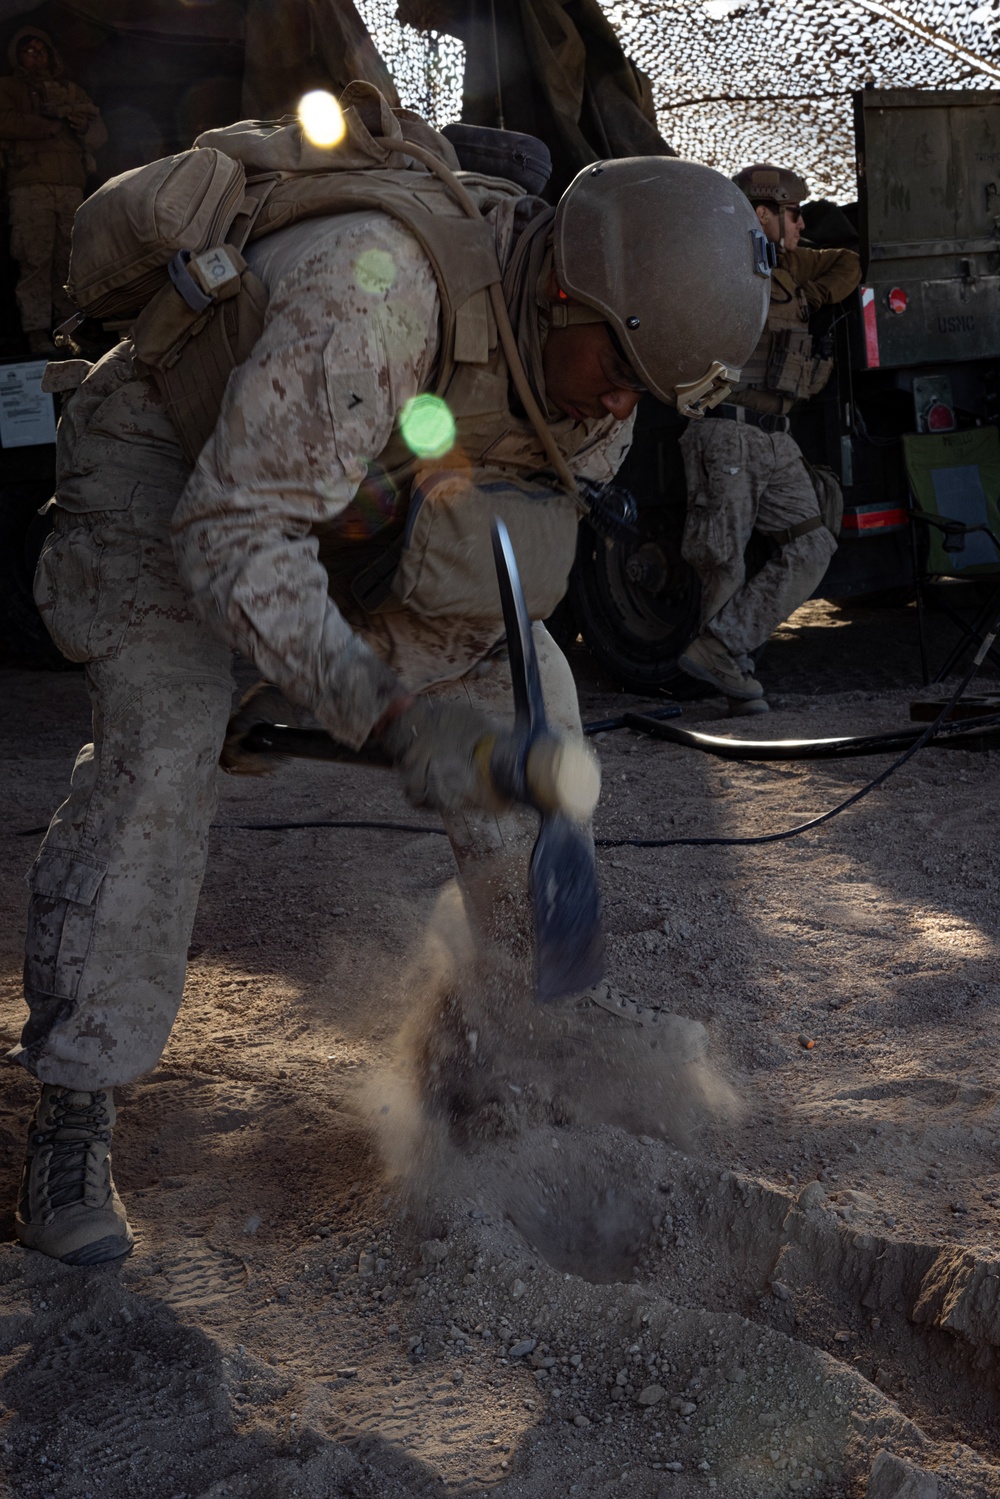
(504, 329)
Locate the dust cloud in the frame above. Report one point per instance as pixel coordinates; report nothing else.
(481, 1076)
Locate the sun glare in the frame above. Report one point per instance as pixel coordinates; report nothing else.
(321, 118)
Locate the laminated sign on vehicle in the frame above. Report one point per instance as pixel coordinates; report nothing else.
(27, 413)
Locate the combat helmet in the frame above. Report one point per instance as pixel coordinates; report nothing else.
(671, 256)
(766, 183)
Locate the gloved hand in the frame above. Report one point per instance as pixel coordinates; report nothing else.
(451, 755)
(442, 752)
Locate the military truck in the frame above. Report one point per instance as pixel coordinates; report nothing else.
(917, 348)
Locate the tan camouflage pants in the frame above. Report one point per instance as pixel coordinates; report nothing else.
(740, 478)
(41, 218)
(115, 886)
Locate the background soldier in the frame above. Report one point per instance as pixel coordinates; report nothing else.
(745, 472)
(48, 128)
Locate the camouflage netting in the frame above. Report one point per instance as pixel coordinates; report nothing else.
(427, 66)
(737, 80)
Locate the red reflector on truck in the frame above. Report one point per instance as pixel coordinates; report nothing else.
(864, 519)
(870, 326)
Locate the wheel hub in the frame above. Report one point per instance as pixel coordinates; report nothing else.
(646, 568)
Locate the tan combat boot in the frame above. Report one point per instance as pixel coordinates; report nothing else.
(747, 707)
(707, 659)
(68, 1207)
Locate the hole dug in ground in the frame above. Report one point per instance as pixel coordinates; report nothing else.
(752, 1331)
(578, 1214)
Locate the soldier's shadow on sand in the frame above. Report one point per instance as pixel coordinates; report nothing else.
(107, 1392)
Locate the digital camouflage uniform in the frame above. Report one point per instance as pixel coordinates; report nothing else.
(115, 886)
(741, 478)
(48, 127)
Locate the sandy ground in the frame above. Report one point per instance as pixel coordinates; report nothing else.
(667, 1252)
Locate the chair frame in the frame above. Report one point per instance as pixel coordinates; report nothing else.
(954, 533)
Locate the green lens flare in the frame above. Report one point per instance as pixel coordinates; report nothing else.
(375, 270)
(428, 427)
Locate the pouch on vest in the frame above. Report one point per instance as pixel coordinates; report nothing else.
(223, 334)
(793, 368)
(446, 568)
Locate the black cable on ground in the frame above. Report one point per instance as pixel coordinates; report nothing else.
(621, 720)
(933, 730)
(938, 729)
(815, 822)
(846, 748)
(284, 827)
(375, 827)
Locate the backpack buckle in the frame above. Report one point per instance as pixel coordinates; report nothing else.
(208, 276)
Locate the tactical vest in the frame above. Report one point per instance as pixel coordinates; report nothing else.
(783, 368)
(205, 320)
(190, 355)
(363, 548)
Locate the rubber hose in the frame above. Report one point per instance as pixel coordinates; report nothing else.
(805, 749)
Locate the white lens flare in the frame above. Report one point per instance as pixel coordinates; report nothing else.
(321, 118)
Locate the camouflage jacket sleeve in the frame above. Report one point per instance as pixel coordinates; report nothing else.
(824, 275)
(351, 334)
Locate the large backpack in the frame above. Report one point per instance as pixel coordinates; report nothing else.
(162, 243)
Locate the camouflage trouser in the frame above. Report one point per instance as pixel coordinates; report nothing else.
(115, 886)
(41, 218)
(740, 478)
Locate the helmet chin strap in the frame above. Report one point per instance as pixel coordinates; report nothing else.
(699, 396)
(564, 314)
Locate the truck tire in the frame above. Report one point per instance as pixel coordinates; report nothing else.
(634, 599)
(637, 608)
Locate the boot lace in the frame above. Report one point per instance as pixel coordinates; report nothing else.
(87, 1124)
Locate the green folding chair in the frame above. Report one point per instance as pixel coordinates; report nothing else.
(954, 480)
